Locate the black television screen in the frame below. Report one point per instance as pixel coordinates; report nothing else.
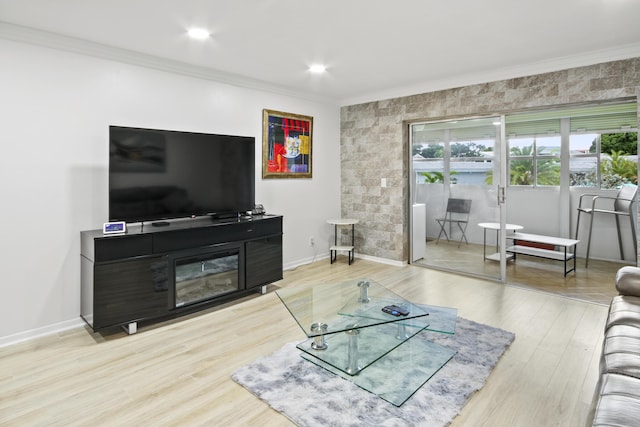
(161, 174)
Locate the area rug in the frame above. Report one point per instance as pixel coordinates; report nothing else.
(311, 396)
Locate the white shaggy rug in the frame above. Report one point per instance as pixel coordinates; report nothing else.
(312, 396)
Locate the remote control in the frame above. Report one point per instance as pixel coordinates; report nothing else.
(395, 310)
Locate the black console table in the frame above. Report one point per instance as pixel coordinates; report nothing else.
(151, 273)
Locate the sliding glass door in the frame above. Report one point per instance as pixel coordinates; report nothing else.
(544, 162)
(457, 212)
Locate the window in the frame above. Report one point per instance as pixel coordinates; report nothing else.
(588, 146)
(534, 147)
(428, 156)
(585, 161)
(605, 160)
(457, 152)
(534, 161)
(471, 161)
(600, 142)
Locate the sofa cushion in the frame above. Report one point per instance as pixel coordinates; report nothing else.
(617, 394)
(628, 281)
(619, 403)
(621, 351)
(624, 310)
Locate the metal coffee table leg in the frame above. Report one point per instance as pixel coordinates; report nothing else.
(319, 342)
(352, 352)
(364, 291)
(401, 332)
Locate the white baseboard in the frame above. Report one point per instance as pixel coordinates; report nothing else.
(383, 260)
(304, 261)
(40, 332)
(300, 262)
(78, 323)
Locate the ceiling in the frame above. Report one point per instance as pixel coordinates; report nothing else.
(373, 49)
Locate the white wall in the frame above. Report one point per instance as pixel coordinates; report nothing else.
(56, 108)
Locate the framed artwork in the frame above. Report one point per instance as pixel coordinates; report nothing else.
(286, 145)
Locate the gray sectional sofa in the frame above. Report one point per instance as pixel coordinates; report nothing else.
(617, 396)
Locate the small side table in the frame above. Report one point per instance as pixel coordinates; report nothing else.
(496, 226)
(333, 250)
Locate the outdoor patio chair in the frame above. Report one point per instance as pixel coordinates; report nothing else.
(457, 213)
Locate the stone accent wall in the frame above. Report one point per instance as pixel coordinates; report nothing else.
(374, 139)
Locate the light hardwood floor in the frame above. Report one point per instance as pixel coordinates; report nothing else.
(178, 373)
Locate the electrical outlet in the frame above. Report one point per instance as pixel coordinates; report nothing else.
(311, 241)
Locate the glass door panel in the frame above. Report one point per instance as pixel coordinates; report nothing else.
(455, 215)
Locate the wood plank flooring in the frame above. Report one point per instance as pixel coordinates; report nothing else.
(178, 373)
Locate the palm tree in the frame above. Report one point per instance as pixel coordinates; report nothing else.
(438, 177)
(521, 168)
(619, 165)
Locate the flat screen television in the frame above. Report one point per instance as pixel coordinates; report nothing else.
(161, 174)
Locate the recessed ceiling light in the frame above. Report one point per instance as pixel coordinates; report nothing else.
(317, 68)
(198, 33)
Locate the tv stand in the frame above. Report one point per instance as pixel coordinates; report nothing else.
(149, 274)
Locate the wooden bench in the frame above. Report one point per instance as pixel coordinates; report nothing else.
(557, 242)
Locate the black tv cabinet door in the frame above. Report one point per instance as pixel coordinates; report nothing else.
(263, 261)
(130, 290)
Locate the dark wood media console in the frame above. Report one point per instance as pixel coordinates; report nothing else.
(151, 273)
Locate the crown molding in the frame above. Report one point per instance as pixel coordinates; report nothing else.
(38, 37)
(522, 70)
(23, 34)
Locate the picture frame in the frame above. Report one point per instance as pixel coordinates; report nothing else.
(286, 145)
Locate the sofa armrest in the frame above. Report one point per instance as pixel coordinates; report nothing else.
(628, 281)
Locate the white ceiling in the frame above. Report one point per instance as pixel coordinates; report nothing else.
(374, 49)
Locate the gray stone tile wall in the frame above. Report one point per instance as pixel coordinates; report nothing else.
(374, 139)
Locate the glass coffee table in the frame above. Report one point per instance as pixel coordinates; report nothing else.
(351, 335)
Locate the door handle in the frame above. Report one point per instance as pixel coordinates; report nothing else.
(501, 195)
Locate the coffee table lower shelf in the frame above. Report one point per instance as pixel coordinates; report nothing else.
(396, 376)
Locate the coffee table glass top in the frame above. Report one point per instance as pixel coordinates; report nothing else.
(380, 352)
(348, 305)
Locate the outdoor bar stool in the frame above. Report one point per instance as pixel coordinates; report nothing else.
(622, 206)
